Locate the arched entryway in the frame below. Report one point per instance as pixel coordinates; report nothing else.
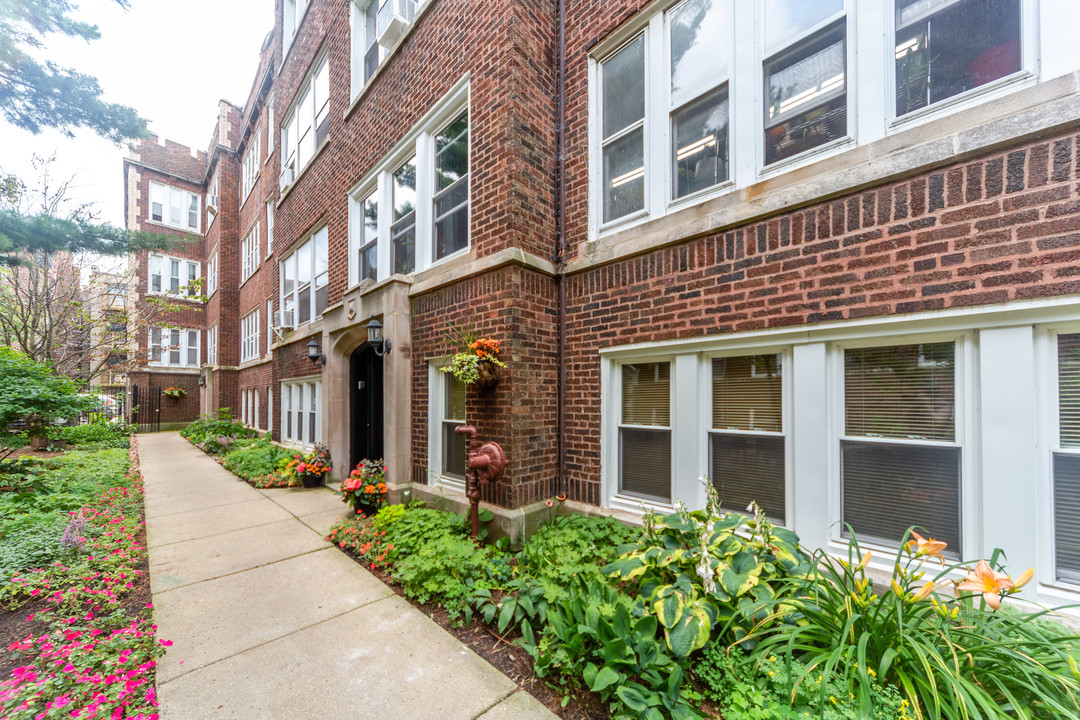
(365, 405)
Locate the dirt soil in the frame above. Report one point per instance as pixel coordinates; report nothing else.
(509, 659)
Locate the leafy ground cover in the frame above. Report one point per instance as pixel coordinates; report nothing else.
(238, 449)
(78, 630)
(215, 434)
(719, 614)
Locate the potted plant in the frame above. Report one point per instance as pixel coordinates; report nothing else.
(365, 489)
(174, 392)
(476, 361)
(311, 468)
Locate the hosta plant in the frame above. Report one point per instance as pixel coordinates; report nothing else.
(706, 573)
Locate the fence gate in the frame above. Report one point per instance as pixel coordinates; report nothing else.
(146, 408)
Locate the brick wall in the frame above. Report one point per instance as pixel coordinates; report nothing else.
(516, 306)
(999, 228)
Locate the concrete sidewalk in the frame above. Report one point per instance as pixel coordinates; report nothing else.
(269, 621)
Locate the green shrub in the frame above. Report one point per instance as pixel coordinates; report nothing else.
(771, 690)
(99, 433)
(208, 430)
(31, 542)
(252, 459)
(947, 651)
(573, 546)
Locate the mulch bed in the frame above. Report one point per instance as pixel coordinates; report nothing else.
(509, 659)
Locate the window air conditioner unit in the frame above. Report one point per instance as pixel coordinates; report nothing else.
(212, 204)
(283, 320)
(286, 179)
(394, 16)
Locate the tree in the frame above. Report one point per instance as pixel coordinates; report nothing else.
(35, 95)
(32, 397)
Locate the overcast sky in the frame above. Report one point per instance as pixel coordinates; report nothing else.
(170, 61)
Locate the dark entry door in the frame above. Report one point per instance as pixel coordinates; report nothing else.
(366, 405)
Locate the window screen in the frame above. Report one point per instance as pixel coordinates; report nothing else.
(644, 433)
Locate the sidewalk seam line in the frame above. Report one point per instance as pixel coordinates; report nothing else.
(237, 572)
(498, 702)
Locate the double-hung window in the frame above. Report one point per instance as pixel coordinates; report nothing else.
(412, 209)
(451, 200)
(1066, 462)
(293, 15)
(212, 274)
(366, 51)
(699, 95)
(746, 437)
(173, 276)
(250, 252)
(211, 345)
(308, 123)
(176, 347)
(645, 431)
(249, 336)
(212, 200)
(947, 47)
(453, 415)
(900, 455)
(623, 122)
(369, 237)
(301, 402)
(249, 173)
(269, 228)
(174, 207)
(805, 76)
(305, 278)
(403, 231)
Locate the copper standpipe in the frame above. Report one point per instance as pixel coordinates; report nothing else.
(485, 465)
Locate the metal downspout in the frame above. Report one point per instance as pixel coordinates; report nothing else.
(560, 246)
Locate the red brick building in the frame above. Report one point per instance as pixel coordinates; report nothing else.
(804, 250)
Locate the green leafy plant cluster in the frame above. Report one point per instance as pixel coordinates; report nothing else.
(607, 641)
(573, 546)
(707, 573)
(32, 397)
(254, 459)
(771, 689)
(99, 433)
(950, 653)
(215, 432)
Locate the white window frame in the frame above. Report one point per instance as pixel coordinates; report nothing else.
(269, 324)
(166, 195)
(212, 274)
(249, 171)
(212, 199)
(358, 29)
(250, 252)
(212, 345)
(1050, 434)
(270, 127)
(292, 140)
(293, 14)
(163, 264)
(250, 328)
(870, 85)
(269, 228)
(964, 422)
(437, 386)
(292, 258)
(290, 395)
(170, 339)
(419, 143)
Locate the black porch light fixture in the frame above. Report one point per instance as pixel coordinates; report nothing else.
(202, 381)
(314, 353)
(375, 339)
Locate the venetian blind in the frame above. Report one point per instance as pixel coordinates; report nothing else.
(455, 398)
(746, 393)
(1067, 517)
(902, 391)
(646, 394)
(1069, 389)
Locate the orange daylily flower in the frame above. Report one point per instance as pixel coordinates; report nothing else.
(989, 582)
(926, 546)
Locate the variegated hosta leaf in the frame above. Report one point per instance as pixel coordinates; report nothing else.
(690, 633)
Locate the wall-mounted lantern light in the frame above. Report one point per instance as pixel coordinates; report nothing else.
(375, 339)
(202, 381)
(314, 353)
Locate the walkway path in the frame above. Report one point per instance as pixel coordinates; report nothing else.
(269, 621)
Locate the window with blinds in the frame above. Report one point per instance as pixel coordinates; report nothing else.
(1067, 462)
(453, 445)
(900, 459)
(746, 442)
(645, 431)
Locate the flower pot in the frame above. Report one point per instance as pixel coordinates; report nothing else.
(489, 375)
(311, 480)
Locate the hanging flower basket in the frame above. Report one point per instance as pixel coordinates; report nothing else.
(477, 360)
(174, 392)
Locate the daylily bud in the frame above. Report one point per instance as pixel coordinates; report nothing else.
(864, 562)
(1024, 578)
(923, 592)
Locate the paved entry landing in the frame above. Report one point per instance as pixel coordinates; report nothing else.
(269, 621)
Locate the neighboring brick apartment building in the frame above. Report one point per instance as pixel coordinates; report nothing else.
(825, 254)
